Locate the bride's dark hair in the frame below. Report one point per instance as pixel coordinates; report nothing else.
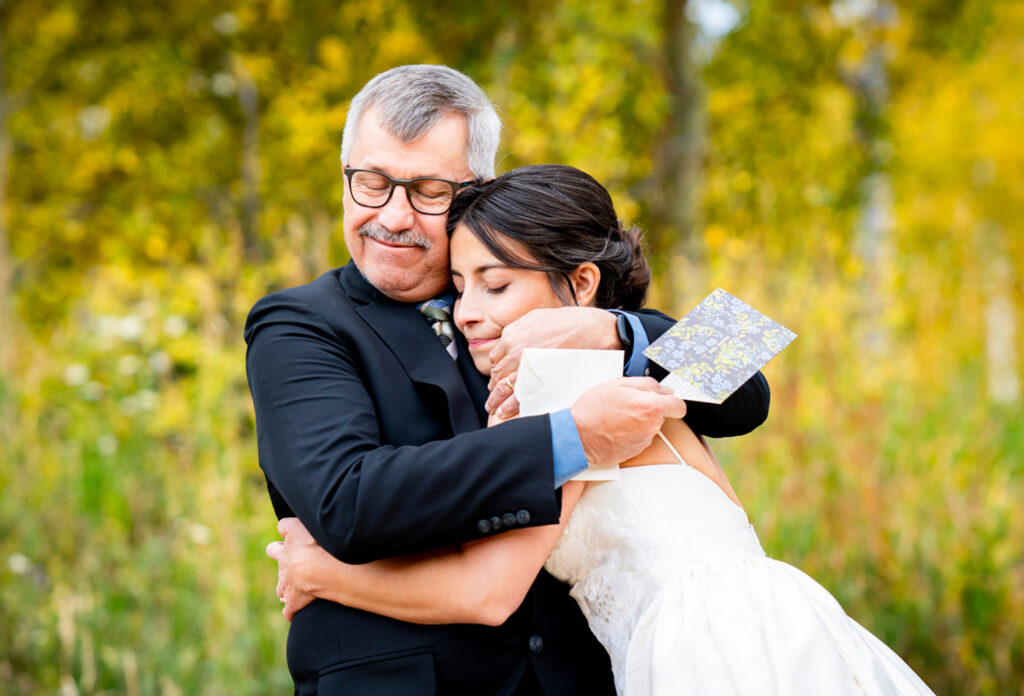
(562, 217)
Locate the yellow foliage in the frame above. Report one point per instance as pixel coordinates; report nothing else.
(889, 468)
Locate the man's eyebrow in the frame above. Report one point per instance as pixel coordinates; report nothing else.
(383, 170)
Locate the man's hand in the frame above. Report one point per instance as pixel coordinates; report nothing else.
(297, 557)
(561, 327)
(618, 419)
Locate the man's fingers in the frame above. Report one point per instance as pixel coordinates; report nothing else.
(662, 398)
(672, 406)
(647, 384)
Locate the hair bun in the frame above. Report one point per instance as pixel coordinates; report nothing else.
(636, 277)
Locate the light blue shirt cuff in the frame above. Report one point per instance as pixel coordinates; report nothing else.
(566, 447)
(636, 363)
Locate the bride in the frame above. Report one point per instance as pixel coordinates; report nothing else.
(663, 562)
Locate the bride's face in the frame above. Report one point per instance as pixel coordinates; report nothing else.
(491, 293)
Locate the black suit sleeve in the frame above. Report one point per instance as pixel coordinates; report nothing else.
(322, 451)
(743, 411)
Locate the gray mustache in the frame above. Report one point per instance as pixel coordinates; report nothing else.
(372, 230)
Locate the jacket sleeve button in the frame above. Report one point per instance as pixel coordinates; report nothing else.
(523, 517)
(495, 523)
(508, 519)
(483, 526)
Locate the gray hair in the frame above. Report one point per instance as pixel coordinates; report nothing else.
(411, 99)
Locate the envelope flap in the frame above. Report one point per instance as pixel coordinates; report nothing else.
(551, 379)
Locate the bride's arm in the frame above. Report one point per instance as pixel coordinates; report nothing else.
(482, 582)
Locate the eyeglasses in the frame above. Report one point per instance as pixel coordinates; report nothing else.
(372, 189)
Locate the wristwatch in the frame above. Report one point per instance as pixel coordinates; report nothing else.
(625, 333)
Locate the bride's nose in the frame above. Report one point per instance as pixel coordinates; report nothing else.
(467, 311)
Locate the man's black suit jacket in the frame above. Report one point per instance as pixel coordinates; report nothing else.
(371, 435)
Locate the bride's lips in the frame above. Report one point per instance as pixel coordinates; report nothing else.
(477, 342)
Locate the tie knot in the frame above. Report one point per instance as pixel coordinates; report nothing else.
(437, 309)
(438, 312)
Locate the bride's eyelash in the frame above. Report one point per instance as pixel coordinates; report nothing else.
(498, 290)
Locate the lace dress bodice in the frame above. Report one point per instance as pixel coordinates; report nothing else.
(628, 540)
(674, 583)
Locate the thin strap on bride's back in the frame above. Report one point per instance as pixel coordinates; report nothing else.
(671, 448)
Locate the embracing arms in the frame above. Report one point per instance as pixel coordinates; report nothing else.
(482, 582)
(356, 433)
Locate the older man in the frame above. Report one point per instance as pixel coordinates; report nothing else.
(371, 434)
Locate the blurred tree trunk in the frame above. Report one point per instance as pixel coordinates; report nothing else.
(250, 169)
(1001, 362)
(678, 258)
(870, 85)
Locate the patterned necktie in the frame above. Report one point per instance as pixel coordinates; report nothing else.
(438, 312)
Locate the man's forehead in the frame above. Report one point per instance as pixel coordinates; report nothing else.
(439, 152)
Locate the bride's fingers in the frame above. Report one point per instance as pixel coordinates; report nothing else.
(287, 525)
(509, 409)
(503, 364)
(502, 390)
(274, 549)
(496, 356)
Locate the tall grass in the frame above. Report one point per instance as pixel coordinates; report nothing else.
(133, 515)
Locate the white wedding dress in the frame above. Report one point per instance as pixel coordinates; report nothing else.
(674, 583)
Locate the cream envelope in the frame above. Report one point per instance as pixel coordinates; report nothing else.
(551, 379)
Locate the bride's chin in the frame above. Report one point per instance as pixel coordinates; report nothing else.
(482, 364)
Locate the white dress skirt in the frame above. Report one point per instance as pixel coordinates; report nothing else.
(674, 583)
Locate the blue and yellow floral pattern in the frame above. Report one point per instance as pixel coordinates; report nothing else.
(715, 348)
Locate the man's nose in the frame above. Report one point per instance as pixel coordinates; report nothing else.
(398, 214)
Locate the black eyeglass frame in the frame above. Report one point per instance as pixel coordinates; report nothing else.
(406, 183)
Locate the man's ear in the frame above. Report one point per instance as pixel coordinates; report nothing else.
(585, 280)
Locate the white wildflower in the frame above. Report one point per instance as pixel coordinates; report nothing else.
(76, 374)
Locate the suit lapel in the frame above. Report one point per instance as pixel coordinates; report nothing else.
(475, 382)
(405, 332)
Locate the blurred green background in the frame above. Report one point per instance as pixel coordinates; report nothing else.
(854, 169)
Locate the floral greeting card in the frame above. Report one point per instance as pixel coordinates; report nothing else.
(717, 347)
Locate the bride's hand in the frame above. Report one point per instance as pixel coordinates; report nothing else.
(298, 557)
(561, 327)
